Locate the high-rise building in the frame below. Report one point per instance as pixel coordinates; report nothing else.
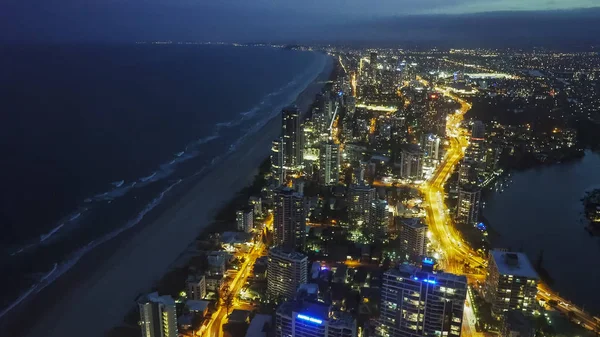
(419, 302)
(378, 220)
(511, 282)
(469, 199)
(286, 271)
(411, 163)
(158, 316)
(289, 219)
(467, 173)
(431, 149)
(359, 203)
(373, 59)
(292, 137)
(245, 220)
(256, 204)
(476, 150)
(277, 161)
(196, 287)
(413, 238)
(329, 172)
(312, 319)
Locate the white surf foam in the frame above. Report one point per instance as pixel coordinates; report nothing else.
(60, 268)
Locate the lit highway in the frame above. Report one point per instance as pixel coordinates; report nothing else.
(454, 251)
(214, 328)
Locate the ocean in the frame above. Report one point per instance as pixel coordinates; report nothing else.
(95, 137)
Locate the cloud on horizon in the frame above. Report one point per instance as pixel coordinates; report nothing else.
(243, 20)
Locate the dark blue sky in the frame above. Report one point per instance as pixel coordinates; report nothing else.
(288, 20)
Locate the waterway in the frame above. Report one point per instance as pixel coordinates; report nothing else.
(541, 210)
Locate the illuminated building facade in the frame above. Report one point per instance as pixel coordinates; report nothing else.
(469, 199)
(329, 170)
(411, 163)
(292, 137)
(158, 316)
(289, 219)
(312, 319)
(413, 238)
(511, 283)
(360, 198)
(286, 271)
(419, 302)
(277, 162)
(378, 220)
(245, 220)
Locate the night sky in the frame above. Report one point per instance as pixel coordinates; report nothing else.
(253, 20)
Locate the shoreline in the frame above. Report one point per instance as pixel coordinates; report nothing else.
(100, 290)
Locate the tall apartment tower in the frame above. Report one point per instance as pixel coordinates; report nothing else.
(289, 219)
(511, 283)
(245, 219)
(277, 161)
(360, 198)
(158, 317)
(378, 220)
(329, 163)
(286, 271)
(411, 162)
(312, 319)
(418, 302)
(413, 238)
(196, 287)
(469, 199)
(292, 137)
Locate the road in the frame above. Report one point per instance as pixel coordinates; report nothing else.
(455, 252)
(215, 326)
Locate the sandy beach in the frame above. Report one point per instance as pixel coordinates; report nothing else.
(98, 292)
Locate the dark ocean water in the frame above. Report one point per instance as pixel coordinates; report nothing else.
(93, 137)
(541, 210)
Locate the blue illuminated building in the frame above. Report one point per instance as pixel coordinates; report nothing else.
(420, 302)
(304, 318)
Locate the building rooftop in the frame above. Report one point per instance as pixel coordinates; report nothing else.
(239, 316)
(195, 305)
(516, 264)
(316, 310)
(280, 252)
(257, 326)
(417, 274)
(154, 297)
(415, 223)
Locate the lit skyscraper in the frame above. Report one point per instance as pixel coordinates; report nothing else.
(511, 283)
(411, 162)
(289, 219)
(312, 319)
(329, 172)
(418, 302)
(245, 220)
(277, 162)
(469, 199)
(378, 220)
(359, 203)
(292, 137)
(413, 238)
(286, 271)
(158, 317)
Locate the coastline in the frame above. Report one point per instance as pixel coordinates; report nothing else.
(97, 293)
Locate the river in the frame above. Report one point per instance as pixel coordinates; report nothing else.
(541, 210)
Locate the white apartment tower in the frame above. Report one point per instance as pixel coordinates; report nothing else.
(158, 317)
(418, 302)
(286, 271)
